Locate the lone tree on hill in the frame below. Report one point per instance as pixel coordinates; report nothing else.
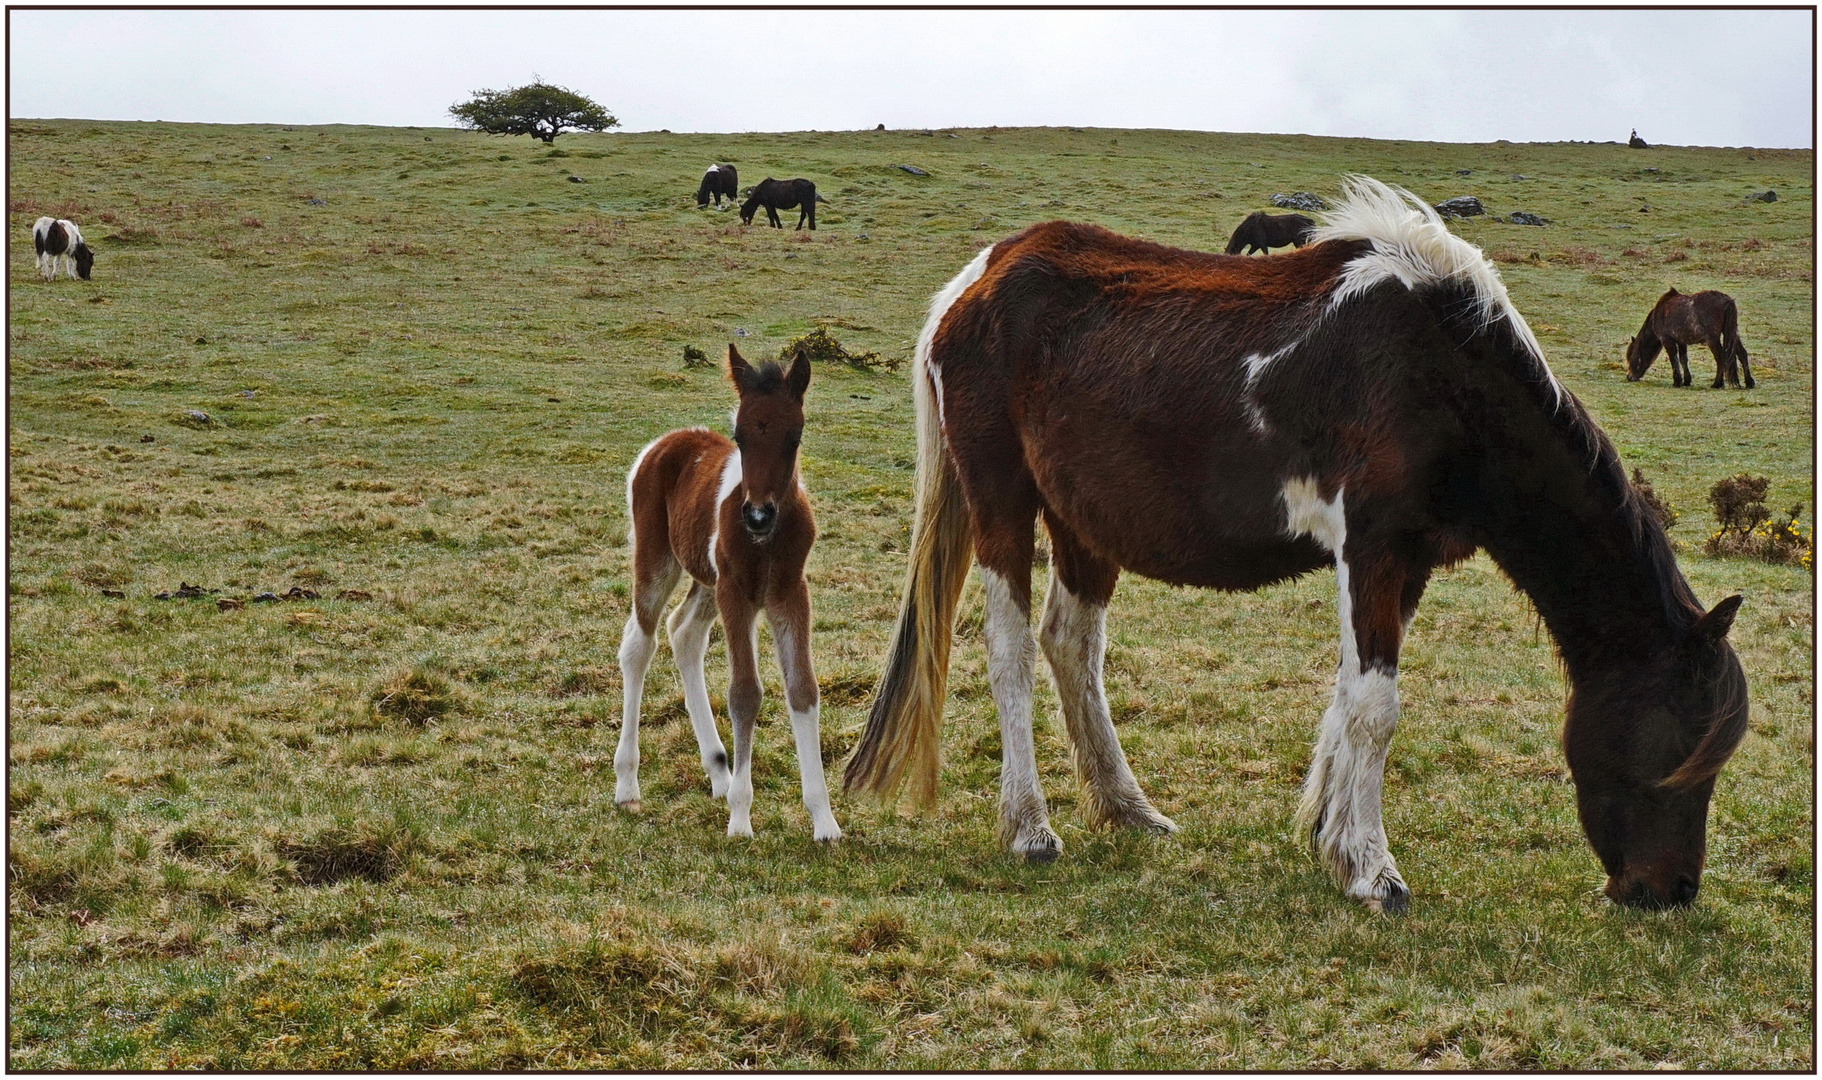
(539, 109)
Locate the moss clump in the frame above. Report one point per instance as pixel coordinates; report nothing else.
(820, 345)
(415, 695)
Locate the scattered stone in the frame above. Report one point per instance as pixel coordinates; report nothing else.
(186, 591)
(1300, 200)
(862, 236)
(740, 331)
(1766, 196)
(314, 201)
(912, 169)
(1520, 176)
(148, 438)
(880, 127)
(1464, 172)
(1460, 206)
(265, 598)
(113, 594)
(1635, 142)
(248, 393)
(1519, 217)
(354, 595)
(298, 592)
(228, 603)
(577, 180)
(198, 416)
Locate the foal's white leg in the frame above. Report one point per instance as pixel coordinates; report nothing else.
(743, 711)
(1342, 794)
(1011, 658)
(1074, 636)
(689, 625)
(637, 646)
(790, 636)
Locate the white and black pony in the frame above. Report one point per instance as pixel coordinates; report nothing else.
(1372, 401)
(59, 245)
(718, 181)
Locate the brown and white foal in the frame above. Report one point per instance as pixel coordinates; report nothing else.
(735, 517)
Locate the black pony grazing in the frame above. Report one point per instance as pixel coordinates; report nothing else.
(1680, 320)
(717, 180)
(776, 195)
(1263, 232)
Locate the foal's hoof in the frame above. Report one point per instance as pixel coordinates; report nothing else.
(631, 806)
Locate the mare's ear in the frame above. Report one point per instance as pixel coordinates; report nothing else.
(739, 371)
(798, 378)
(1712, 627)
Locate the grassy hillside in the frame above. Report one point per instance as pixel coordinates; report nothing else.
(412, 366)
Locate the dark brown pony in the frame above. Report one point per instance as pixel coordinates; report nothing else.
(776, 195)
(1372, 401)
(735, 517)
(1263, 232)
(1680, 320)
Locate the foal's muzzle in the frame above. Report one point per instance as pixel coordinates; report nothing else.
(759, 520)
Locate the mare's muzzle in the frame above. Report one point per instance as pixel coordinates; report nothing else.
(1641, 892)
(759, 520)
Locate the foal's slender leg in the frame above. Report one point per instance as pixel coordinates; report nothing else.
(789, 616)
(1073, 635)
(654, 576)
(1342, 794)
(689, 626)
(739, 620)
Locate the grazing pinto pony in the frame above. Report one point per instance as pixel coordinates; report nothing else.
(717, 180)
(1680, 320)
(1372, 401)
(1263, 232)
(776, 195)
(735, 517)
(59, 245)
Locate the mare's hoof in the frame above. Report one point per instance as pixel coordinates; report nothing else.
(1041, 849)
(631, 806)
(1396, 902)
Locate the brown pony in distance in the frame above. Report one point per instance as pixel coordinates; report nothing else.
(1372, 401)
(1680, 320)
(1263, 232)
(735, 517)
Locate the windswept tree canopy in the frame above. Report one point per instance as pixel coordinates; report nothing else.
(539, 109)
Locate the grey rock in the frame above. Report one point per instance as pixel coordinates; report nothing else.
(1464, 172)
(314, 201)
(1520, 217)
(1766, 196)
(199, 416)
(577, 180)
(1460, 206)
(912, 169)
(1300, 200)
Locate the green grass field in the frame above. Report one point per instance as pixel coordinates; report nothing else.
(424, 360)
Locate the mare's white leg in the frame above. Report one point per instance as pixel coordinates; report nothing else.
(1342, 793)
(689, 625)
(1011, 658)
(1074, 637)
(637, 646)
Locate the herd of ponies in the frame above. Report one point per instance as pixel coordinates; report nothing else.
(1369, 400)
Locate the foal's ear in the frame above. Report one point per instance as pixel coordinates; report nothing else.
(739, 371)
(798, 378)
(1713, 626)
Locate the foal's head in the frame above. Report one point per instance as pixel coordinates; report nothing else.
(768, 426)
(1645, 748)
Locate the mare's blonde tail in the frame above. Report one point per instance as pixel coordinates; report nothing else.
(899, 747)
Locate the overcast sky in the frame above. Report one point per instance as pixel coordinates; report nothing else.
(1719, 78)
